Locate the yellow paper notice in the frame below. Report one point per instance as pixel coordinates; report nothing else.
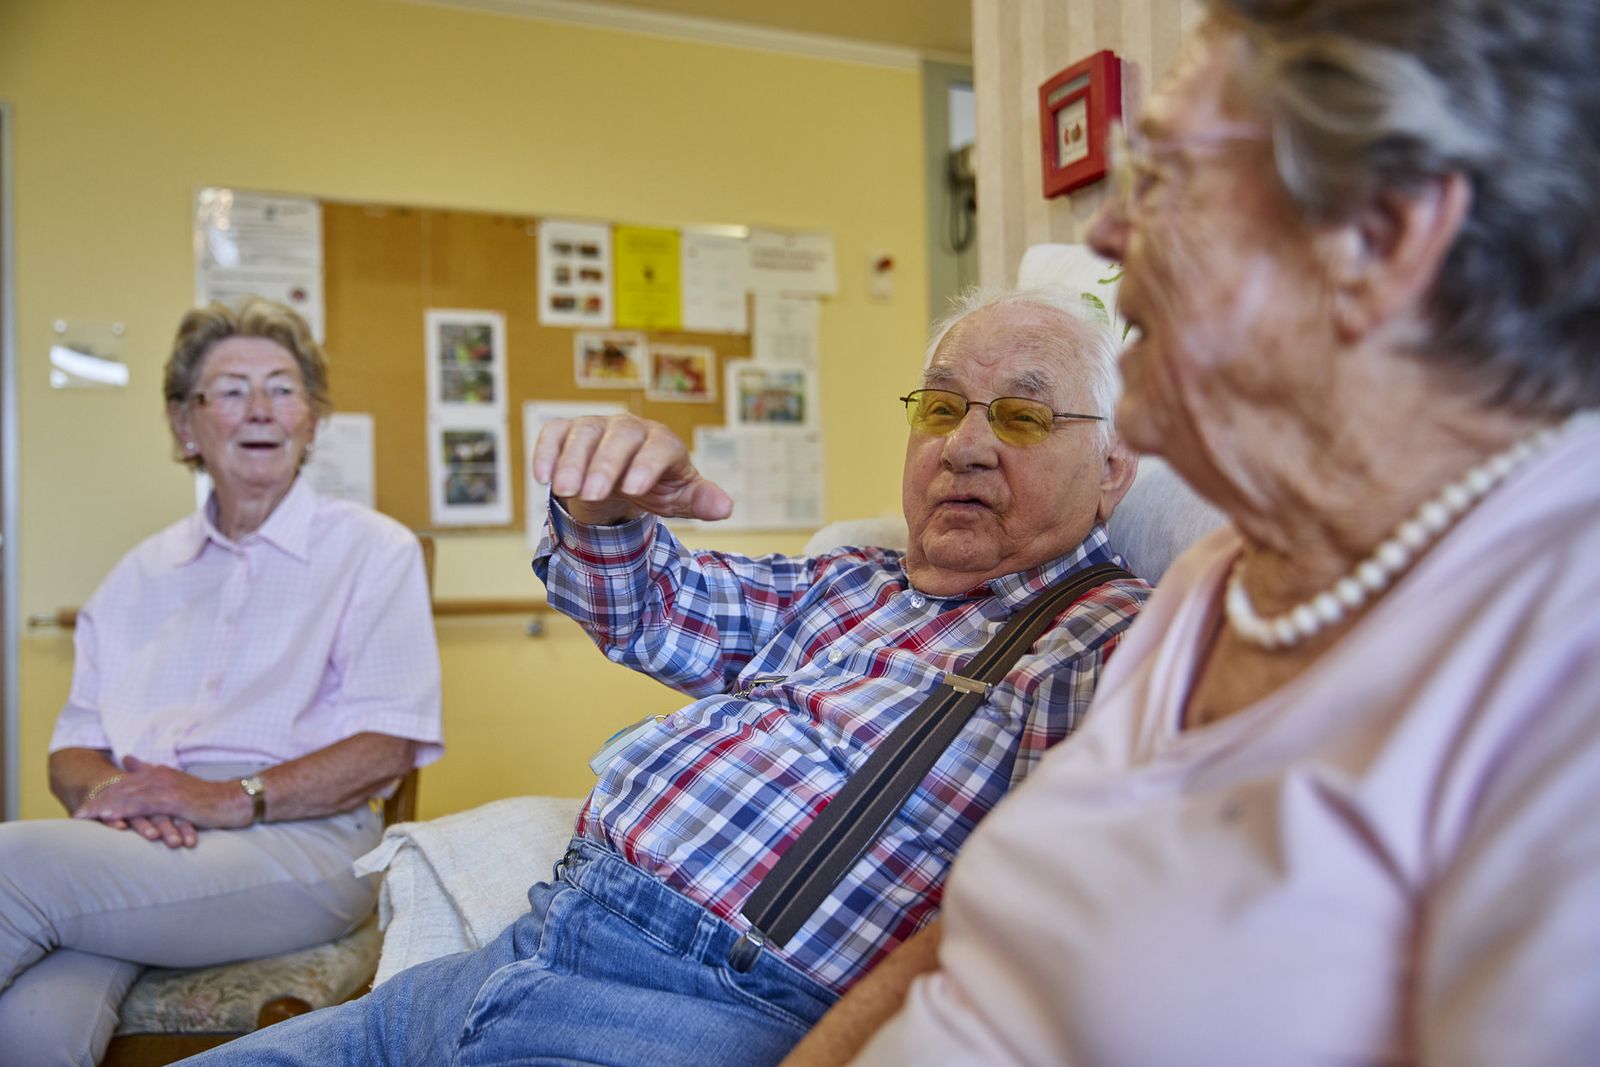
(649, 292)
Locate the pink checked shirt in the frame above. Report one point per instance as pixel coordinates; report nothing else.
(314, 628)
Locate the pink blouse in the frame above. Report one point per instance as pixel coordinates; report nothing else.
(313, 628)
(1393, 859)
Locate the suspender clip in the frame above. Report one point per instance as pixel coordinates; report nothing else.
(745, 951)
(968, 685)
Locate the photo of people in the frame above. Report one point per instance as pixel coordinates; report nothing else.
(609, 360)
(770, 395)
(466, 363)
(471, 476)
(466, 360)
(469, 472)
(685, 373)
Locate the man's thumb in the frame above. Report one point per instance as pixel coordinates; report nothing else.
(711, 501)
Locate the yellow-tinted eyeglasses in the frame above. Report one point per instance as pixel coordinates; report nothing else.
(1016, 420)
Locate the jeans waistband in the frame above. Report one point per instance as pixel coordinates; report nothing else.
(666, 915)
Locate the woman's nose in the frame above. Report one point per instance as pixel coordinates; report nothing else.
(258, 404)
(1108, 230)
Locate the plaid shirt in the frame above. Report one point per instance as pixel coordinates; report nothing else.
(801, 667)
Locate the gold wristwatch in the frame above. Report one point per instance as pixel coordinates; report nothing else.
(257, 789)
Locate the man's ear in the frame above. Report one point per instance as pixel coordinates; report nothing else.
(1385, 258)
(1122, 463)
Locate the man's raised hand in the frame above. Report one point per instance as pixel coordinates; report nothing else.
(610, 469)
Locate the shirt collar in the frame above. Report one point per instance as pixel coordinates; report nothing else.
(1018, 588)
(288, 528)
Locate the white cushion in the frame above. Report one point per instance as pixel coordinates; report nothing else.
(455, 882)
(885, 531)
(1075, 267)
(1159, 518)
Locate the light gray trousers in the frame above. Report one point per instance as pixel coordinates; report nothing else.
(85, 908)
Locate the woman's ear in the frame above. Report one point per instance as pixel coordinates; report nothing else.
(178, 416)
(311, 439)
(1122, 464)
(1383, 261)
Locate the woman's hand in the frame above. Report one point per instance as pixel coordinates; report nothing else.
(163, 804)
(169, 830)
(611, 469)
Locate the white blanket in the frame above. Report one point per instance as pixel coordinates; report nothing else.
(455, 882)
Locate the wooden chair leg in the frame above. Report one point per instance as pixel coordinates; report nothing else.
(280, 1008)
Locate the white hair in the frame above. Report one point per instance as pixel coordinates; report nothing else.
(1089, 343)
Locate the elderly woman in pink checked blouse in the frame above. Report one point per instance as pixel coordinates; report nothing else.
(246, 681)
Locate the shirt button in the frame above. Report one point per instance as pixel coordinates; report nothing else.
(917, 600)
(835, 655)
(212, 684)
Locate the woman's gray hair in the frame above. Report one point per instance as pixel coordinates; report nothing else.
(204, 327)
(1090, 344)
(1366, 95)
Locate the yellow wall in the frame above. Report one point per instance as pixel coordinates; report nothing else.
(121, 110)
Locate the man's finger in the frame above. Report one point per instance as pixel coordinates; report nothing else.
(548, 448)
(614, 458)
(662, 454)
(572, 465)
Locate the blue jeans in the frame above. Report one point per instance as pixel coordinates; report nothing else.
(610, 967)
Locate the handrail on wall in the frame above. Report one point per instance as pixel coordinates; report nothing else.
(533, 609)
(67, 618)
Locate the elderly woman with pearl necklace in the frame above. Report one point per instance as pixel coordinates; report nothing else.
(1334, 801)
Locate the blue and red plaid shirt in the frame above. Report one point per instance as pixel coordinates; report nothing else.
(801, 666)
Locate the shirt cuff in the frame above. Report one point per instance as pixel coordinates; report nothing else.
(621, 546)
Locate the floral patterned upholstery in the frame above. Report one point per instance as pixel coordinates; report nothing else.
(227, 998)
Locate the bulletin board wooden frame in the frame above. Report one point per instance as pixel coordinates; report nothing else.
(385, 266)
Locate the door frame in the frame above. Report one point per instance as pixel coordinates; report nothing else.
(10, 705)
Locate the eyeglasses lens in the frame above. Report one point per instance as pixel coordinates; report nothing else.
(934, 411)
(1015, 420)
(233, 401)
(1018, 421)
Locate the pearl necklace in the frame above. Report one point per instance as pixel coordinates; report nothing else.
(1392, 556)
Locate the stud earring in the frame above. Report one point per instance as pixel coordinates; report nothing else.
(188, 446)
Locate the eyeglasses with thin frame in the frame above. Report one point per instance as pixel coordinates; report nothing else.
(1137, 169)
(231, 398)
(1016, 420)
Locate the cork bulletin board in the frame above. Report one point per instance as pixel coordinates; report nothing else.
(384, 267)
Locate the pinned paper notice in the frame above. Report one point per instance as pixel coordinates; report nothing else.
(342, 463)
(792, 263)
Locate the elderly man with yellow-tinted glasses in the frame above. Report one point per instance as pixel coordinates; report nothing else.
(641, 949)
